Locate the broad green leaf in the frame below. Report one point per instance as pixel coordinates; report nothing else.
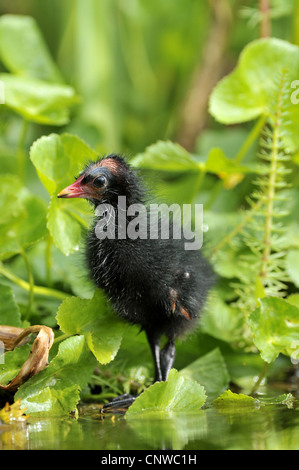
(175, 171)
(55, 390)
(10, 200)
(166, 156)
(51, 161)
(221, 224)
(222, 321)
(218, 162)
(9, 311)
(244, 368)
(236, 403)
(292, 266)
(12, 213)
(259, 289)
(13, 362)
(33, 228)
(229, 139)
(28, 231)
(293, 299)
(58, 159)
(24, 217)
(250, 90)
(23, 50)
(275, 327)
(51, 401)
(183, 170)
(210, 371)
(38, 101)
(176, 395)
(66, 230)
(94, 319)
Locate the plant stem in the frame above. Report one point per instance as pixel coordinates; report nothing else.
(250, 213)
(39, 290)
(252, 137)
(261, 378)
(61, 338)
(21, 151)
(76, 216)
(214, 193)
(198, 183)
(101, 381)
(296, 24)
(48, 260)
(31, 284)
(265, 26)
(270, 196)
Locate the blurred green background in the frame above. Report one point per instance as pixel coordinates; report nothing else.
(144, 69)
(144, 72)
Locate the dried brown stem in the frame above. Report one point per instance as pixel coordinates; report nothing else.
(265, 25)
(38, 358)
(207, 74)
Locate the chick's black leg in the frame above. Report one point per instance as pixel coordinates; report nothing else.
(167, 357)
(154, 341)
(163, 359)
(119, 404)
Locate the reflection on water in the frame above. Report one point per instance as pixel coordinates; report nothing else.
(270, 427)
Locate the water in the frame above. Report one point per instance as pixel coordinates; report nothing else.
(272, 427)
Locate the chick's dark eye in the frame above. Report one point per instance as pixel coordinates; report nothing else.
(100, 181)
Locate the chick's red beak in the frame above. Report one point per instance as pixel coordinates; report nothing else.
(74, 190)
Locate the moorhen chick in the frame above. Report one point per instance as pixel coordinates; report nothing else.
(151, 281)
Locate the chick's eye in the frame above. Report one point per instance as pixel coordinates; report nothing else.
(100, 181)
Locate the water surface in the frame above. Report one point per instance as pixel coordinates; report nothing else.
(271, 427)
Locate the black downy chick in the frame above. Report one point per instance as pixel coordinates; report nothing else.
(154, 283)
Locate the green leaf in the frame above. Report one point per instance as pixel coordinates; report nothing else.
(292, 266)
(236, 403)
(9, 311)
(64, 228)
(24, 217)
(38, 101)
(175, 170)
(275, 327)
(293, 299)
(218, 162)
(94, 319)
(33, 228)
(13, 362)
(248, 91)
(222, 321)
(176, 395)
(210, 371)
(57, 160)
(55, 390)
(10, 200)
(12, 213)
(23, 50)
(165, 156)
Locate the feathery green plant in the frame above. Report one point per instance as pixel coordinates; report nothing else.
(263, 270)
